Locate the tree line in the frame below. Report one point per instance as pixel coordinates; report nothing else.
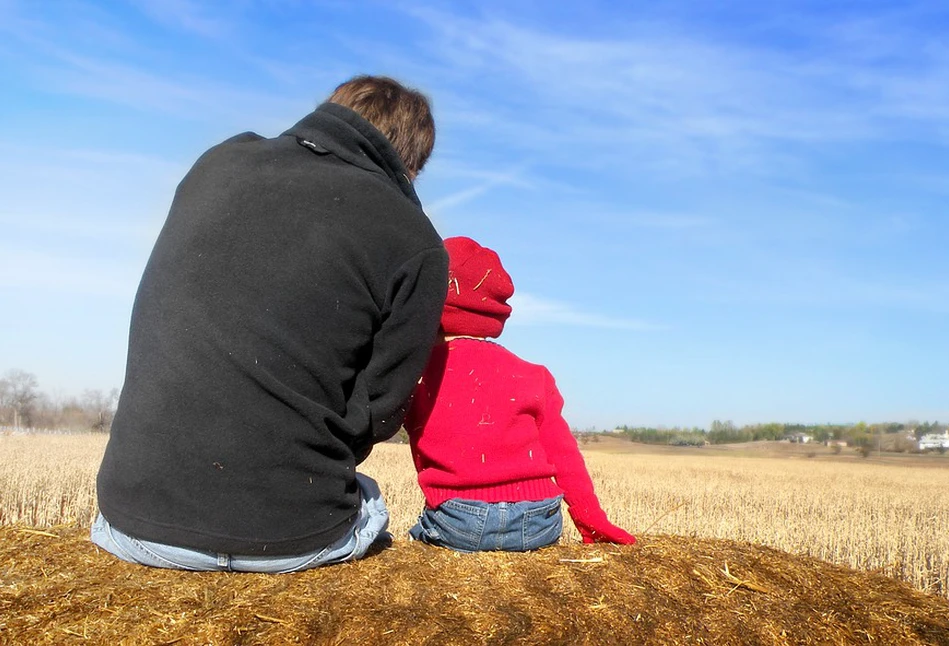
(897, 436)
(24, 407)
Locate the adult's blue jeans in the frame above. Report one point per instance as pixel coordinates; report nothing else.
(370, 526)
(475, 526)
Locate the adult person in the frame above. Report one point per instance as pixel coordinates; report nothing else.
(284, 317)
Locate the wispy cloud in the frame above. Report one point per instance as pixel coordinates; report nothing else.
(86, 159)
(490, 180)
(640, 220)
(188, 16)
(66, 274)
(919, 295)
(809, 283)
(517, 175)
(690, 103)
(459, 197)
(80, 230)
(108, 193)
(529, 309)
(181, 94)
(126, 73)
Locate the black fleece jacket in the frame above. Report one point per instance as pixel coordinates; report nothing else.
(283, 319)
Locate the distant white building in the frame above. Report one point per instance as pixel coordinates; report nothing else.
(934, 441)
(800, 438)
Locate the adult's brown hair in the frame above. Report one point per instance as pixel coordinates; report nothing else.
(402, 114)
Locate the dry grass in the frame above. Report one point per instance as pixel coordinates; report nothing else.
(57, 588)
(892, 519)
(878, 517)
(48, 480)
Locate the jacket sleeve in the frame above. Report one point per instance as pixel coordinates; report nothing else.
(572, 475)
(404, 340)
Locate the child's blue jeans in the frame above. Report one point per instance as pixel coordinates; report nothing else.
(371, 523)
(475, 526)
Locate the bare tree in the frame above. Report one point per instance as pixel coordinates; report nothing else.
(19, 393)
(101, 407)
(6, 398)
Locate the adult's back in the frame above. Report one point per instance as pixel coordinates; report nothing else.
(283, 318)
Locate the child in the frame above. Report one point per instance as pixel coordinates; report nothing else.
(494, 455)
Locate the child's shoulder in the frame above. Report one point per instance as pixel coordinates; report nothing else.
(491, 350)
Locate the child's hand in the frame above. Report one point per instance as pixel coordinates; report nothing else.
(594, 527)
(608, 533)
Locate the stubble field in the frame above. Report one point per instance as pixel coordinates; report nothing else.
(889, 516)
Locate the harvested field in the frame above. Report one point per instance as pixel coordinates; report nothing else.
(726, 556)
(883, 516)
(57, 588)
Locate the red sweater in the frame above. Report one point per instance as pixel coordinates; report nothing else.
(486, 425)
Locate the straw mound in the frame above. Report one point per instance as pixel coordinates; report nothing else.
(57, 588)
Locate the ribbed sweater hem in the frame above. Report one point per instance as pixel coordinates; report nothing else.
(522, 490)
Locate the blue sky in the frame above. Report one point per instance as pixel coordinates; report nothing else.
(711, 210)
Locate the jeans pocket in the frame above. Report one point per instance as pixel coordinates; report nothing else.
(543, 524)
(459, 524)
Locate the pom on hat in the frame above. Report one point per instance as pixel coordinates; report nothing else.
(478, 289)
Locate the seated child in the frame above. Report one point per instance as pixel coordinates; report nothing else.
(493, 453)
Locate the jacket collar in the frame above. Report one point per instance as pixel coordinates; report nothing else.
(335, 129)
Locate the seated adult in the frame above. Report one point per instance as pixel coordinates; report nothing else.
(284, 317)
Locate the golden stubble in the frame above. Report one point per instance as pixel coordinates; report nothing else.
(887, 518)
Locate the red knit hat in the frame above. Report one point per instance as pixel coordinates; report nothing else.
(478, 289)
